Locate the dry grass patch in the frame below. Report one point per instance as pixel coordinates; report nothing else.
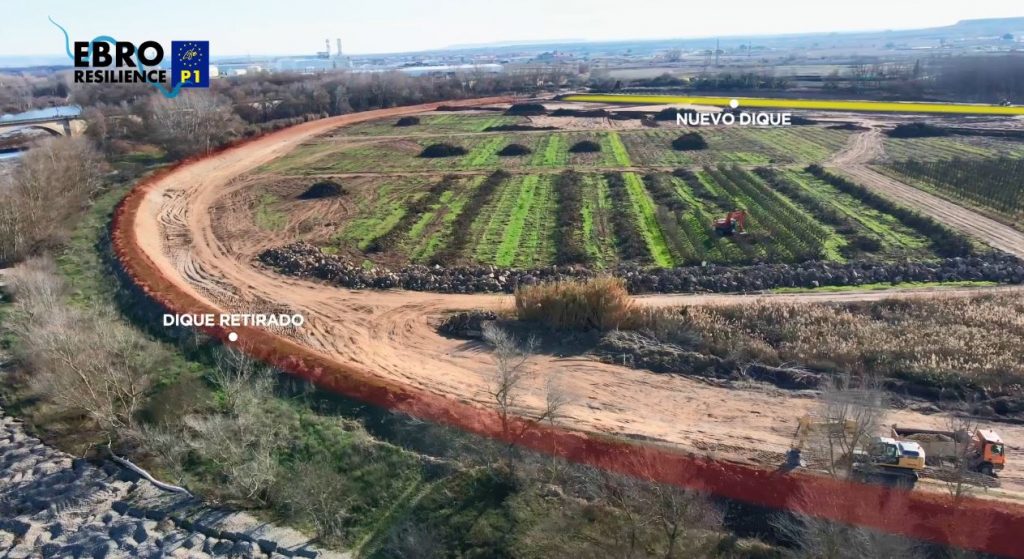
(598, 304)
(940, 341)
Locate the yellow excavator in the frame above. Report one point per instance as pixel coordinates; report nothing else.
(883, 460)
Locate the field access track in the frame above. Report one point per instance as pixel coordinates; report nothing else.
(379, 347)
(998, 235)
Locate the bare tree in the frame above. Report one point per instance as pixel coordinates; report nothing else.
(510, 376)
(957, 474)
(169, 445)
(244, 381)
(83, 361)
(631, 502)
(819, 538)
(317, 494)
(45, 195)
(244, 440)
(410, 540)
(193, 122)
(851, 413)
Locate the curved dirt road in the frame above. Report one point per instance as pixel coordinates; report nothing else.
(389, 335)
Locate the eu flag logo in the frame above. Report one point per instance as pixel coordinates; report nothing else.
(190, 63)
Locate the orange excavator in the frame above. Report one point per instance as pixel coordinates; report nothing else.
(733, 222)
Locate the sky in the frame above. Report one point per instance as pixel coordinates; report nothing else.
(239, 27)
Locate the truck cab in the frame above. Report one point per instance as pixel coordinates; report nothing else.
(992, 455)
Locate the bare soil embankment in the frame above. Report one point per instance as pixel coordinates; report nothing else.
(382, 347)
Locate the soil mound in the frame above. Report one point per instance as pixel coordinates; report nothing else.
(691, 141)
(586, 146)
(442, 150)
(917, 130)
(527, 109)
(322, 189)
(847, 126)
(512, 150)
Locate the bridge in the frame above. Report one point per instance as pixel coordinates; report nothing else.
(58, 121)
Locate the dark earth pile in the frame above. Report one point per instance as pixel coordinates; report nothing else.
(916, 130)
(586, 146)
(798, 120)
(408, 121)
(527, 109)
(691, 141)
(643, 352)
(640, 351)
(322, 189)
(847, 126)
(514, 149)
(442, 150)
(517, 128)
(587, 113)
(671, 114)
(305, 260)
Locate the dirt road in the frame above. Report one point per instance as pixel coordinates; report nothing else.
(866, 146)
(390, 334)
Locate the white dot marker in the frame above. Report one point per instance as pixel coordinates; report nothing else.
(233, 337)
(734, 103)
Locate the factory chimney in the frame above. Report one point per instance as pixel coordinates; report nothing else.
(339, 47)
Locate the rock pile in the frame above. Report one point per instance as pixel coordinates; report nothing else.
(468, 325)
(996, 267)
(54, 506)
(305, 260)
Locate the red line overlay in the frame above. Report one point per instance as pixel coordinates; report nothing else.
(976, 524)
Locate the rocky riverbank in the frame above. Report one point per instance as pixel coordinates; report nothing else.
(305, 260)
(53, 505)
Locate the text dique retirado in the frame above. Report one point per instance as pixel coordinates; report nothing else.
(234, 320)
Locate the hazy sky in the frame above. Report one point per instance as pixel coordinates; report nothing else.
(375, 26)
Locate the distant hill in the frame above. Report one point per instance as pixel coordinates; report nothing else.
(996, 24)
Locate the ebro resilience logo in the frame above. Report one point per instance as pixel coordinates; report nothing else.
(107, 60)
(122, 62)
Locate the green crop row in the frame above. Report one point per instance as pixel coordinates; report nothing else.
(993, 184)
(793, 235)
(897, 239)
(553, 153)
(463, 225)
(645, 214)
(618, 149)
